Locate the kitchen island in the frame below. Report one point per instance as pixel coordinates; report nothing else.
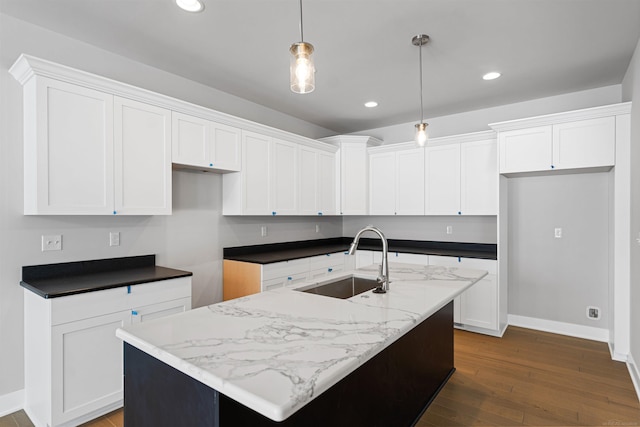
(286, 357)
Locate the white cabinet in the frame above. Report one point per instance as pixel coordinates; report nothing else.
(68, 133)
(248, 192)
(142, 158)
(73, 360)
(284, 178)
(585, 143)
(525, 150)
(462, 178)
(204, 144)
(88, 152)
(442, 180)
(317, 182)
(576, 144)
(396, 181)
(477, 307)
(479, 178)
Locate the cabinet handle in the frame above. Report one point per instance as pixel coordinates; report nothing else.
(330, 270)
(320, 213)
(210, 164)
(114, 212)
(459, 213)
(133, 312)
(553, 167)
(328, 254)
(128, 289)
(289, 278)
(273, 213)
(459, 260)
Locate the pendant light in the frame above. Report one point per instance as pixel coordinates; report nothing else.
(302, 70)
(421, 128)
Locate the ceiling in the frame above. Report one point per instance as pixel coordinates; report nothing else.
(363, 49)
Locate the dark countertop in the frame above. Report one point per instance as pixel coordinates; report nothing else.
(277, 252)
(69, 278)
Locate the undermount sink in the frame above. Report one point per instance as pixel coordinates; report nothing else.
(342, 288)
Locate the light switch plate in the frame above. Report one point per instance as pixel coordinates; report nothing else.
(52, 242)
(557, 233)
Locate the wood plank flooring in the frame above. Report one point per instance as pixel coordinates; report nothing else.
(526, 378)
(533, 378)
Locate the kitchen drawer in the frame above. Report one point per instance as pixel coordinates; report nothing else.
(92, 304)
(285, 268)
(279, 282)
(325, 271)
(328, 260)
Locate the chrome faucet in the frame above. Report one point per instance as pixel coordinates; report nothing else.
(383, 276)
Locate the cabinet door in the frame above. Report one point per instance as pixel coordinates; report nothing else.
(142, 171)
(326, 183)
(526, 150)
(449, 261)
(224, 147)
(479, 178)
(68, 149)
(354, 178)
(442, 180)
(478, 304)
(189, 140)
(256, 157)
(382, 184)
(585, 143)
(308, 181)
(86, 366)
(410, 182)
(162, 309)
(284, 178)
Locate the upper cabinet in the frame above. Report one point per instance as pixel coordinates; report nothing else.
(396, 180)
(461, 175)
(281, 178)
(205, 145)
(353, 172)
(142, 158)
(87, 152)
(573, 140)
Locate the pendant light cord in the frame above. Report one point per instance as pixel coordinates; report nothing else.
(421, 109)
(301, 33)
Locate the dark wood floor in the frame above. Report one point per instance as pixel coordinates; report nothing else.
(525, 378)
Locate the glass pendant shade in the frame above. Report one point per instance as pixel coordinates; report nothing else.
(421, 134)
(302, 70)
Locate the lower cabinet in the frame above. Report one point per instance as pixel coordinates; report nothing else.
(73, 360)
(246, 278)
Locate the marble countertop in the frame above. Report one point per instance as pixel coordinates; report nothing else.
(275, 351)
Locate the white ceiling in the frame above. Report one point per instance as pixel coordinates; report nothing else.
(364, 50)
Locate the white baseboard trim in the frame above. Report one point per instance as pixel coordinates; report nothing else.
(635, 374)
(618, 357)
(11, 402)
(569, 329)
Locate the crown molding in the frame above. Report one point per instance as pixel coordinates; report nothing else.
(337, 140)
(27, 67)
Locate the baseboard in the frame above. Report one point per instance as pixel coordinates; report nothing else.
(11, 402)
(569, 329)
(635, 374)
(618, 357)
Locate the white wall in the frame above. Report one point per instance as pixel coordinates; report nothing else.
(478, 120)
(631, 91)
(191, 239)
(556, 279)
(473, 229)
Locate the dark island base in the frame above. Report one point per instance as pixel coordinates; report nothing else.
(392, 389)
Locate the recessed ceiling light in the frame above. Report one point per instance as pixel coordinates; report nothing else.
(491, 76)
(371, 104)
(190, 5)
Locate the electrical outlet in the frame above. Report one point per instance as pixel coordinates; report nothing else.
(52, 242)
(557, 233)
(263, 231)
(593, 313)
(114, 238)
(317, 228)
(449, 229)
